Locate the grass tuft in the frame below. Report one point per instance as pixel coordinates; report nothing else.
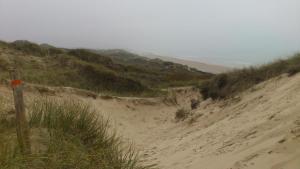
(181, 114)
(67, 135)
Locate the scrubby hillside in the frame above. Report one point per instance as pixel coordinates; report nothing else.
(228, 84)
(155, 64)
(82, 68)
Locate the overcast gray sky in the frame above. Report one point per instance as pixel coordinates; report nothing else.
(221, 31)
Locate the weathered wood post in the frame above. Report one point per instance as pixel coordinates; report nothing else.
(22, 127)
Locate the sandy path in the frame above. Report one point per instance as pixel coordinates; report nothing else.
(258, 129)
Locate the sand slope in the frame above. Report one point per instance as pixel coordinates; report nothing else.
(259, 129)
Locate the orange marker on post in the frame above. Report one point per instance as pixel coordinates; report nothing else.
(15, 83)
(22, 127)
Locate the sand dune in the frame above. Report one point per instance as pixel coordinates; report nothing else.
(259, 129)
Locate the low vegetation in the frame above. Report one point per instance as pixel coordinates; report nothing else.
(182, 114)
(66, 135)
(228, 84)
(109, 71)
(195, 103)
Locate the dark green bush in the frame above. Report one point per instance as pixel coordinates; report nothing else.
(86, 55)
(100, 78)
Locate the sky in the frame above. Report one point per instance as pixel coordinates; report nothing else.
(229, 32)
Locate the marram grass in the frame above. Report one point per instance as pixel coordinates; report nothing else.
(67, 135)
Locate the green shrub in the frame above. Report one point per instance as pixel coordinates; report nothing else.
(100, 78)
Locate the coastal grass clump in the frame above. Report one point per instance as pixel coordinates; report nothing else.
(67, 135)
(182, 114)
(228, 84)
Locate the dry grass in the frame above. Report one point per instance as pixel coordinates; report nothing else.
(181, 114)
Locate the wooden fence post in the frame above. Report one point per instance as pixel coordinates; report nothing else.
(22, 127)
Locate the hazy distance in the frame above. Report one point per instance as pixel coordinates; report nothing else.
(230, 32)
